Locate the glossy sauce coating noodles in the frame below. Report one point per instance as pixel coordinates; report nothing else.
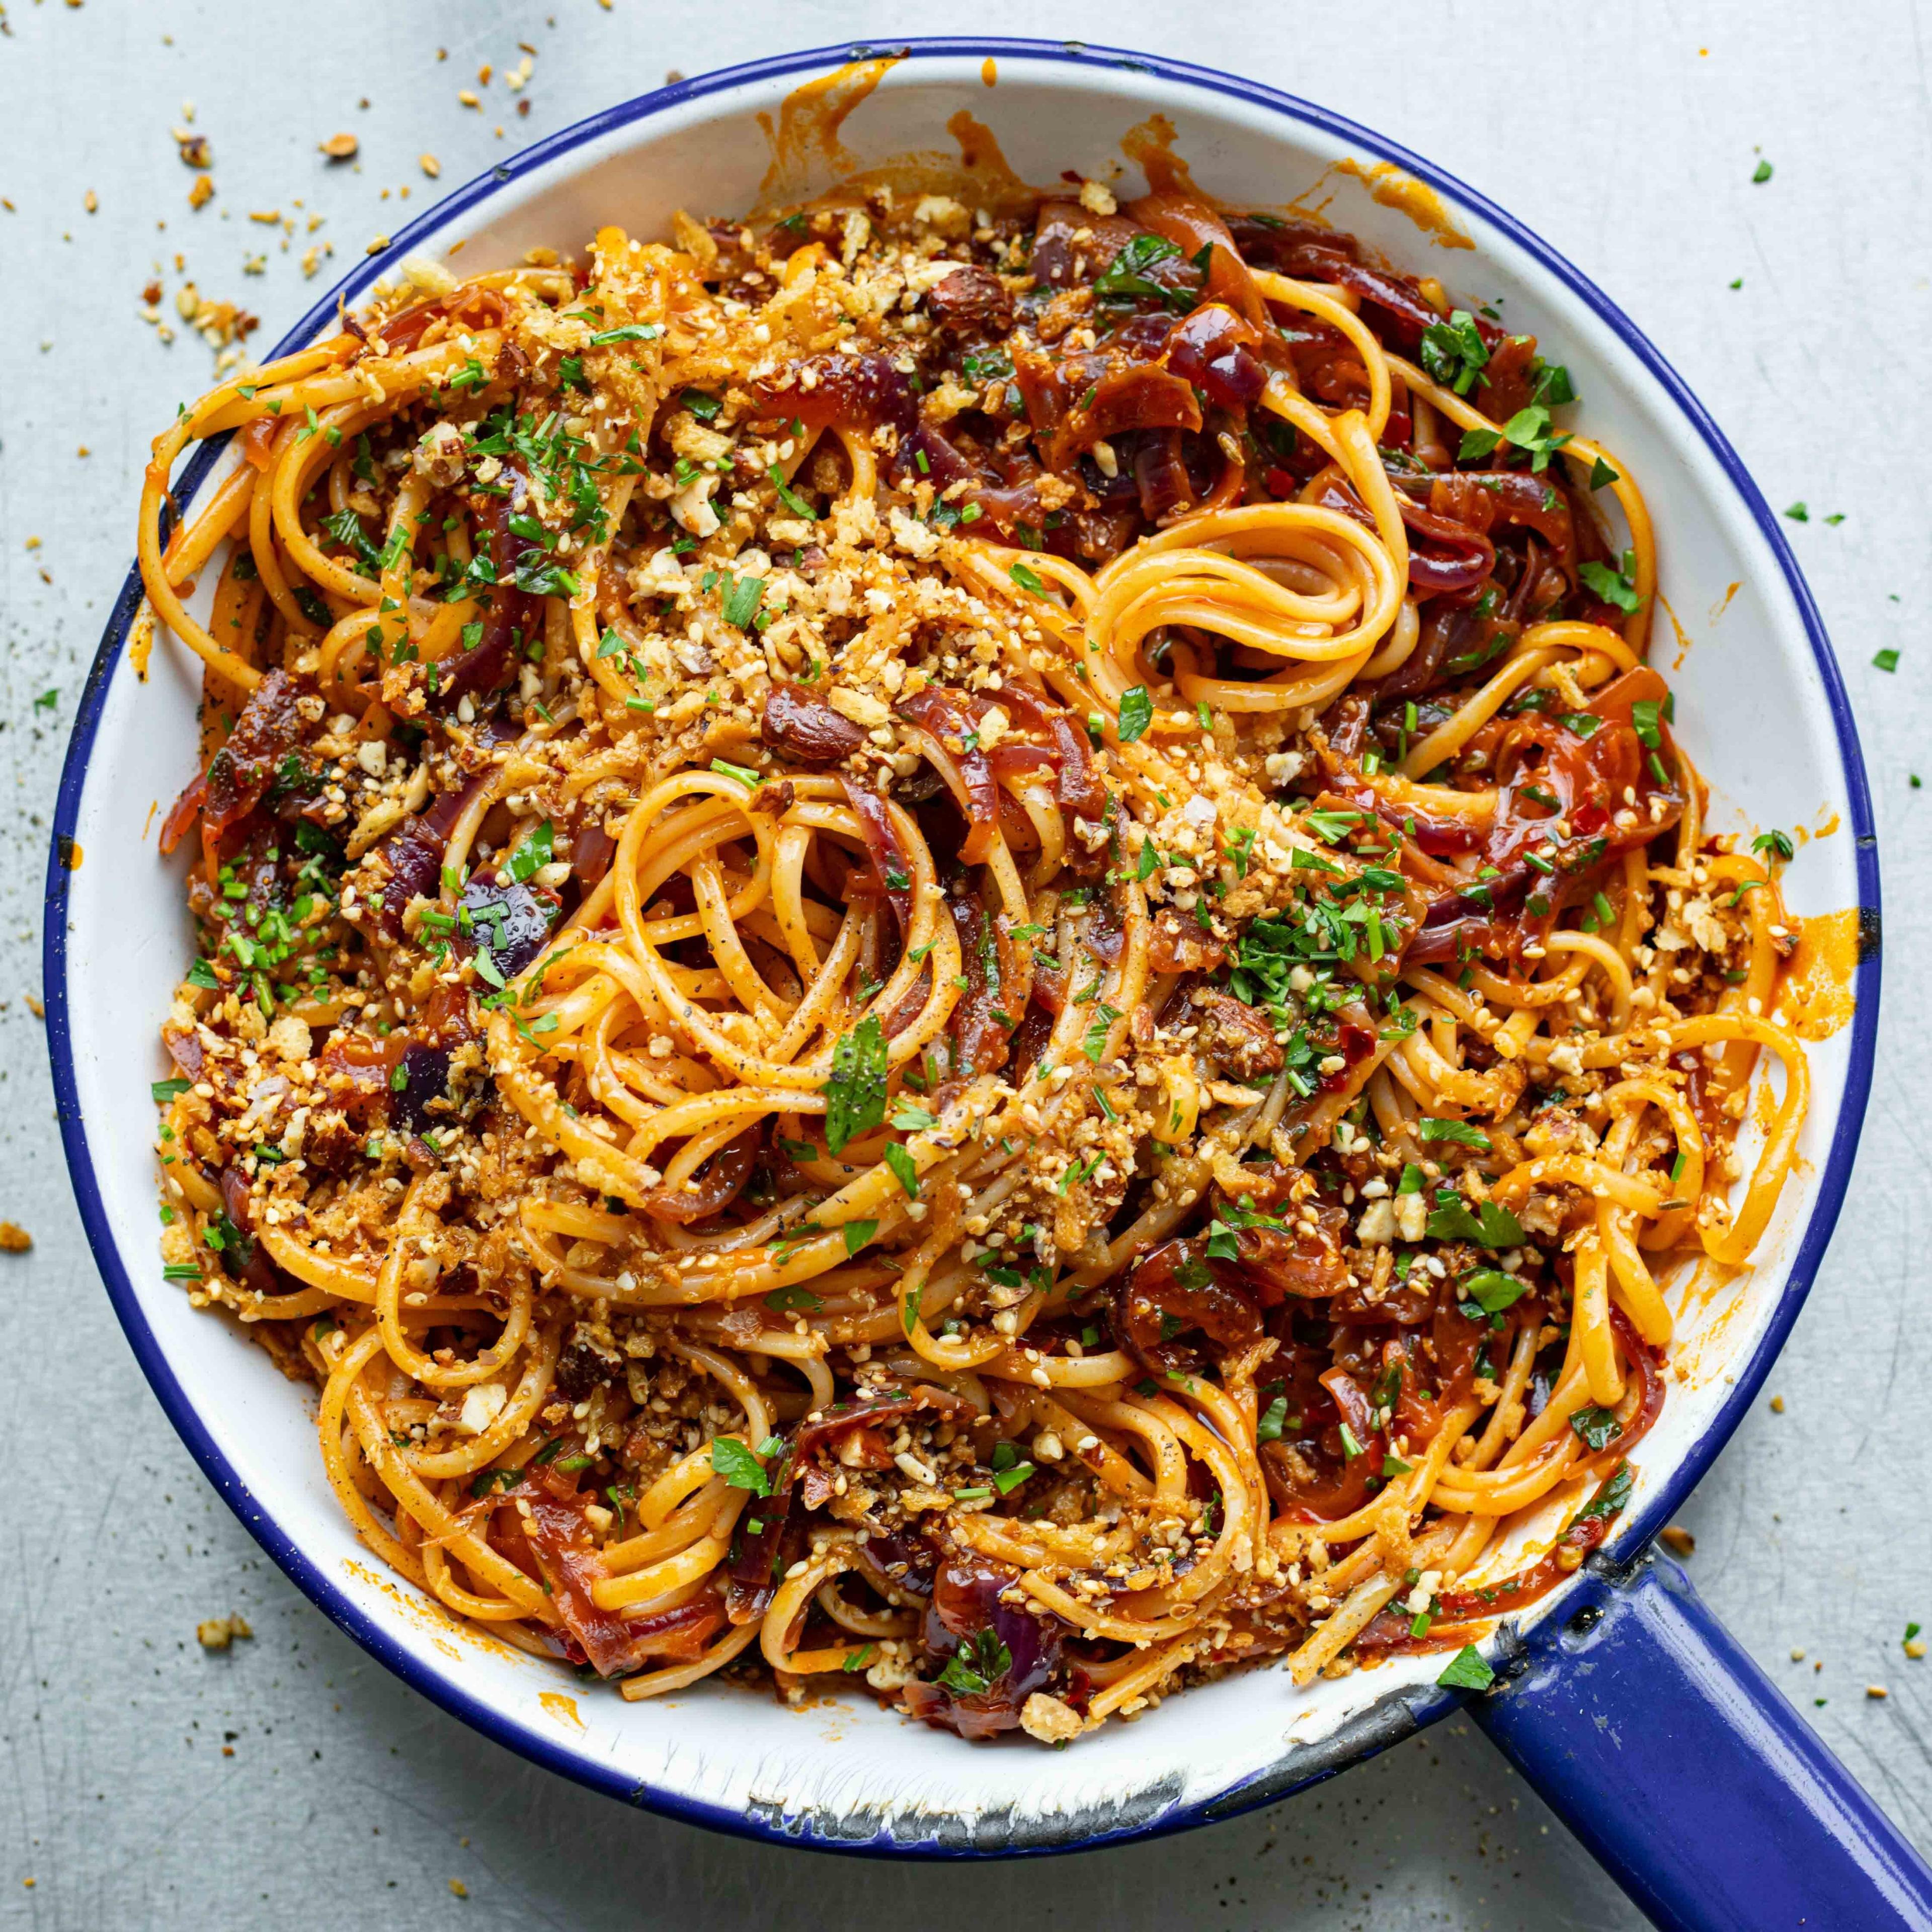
(968, 953)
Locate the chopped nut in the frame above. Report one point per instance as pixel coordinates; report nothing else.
(1048, 1719)
(1678, 1541)
(340, 147)
(218, 1633)
(14, 1239)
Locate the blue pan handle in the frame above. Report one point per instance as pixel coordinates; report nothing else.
(1649, 1731)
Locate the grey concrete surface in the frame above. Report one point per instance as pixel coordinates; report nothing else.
(144, 1783)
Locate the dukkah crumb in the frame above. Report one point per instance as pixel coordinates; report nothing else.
(951, 945)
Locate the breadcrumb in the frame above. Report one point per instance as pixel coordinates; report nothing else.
(219, 1633)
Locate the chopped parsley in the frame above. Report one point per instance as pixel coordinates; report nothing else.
(1125, 277)
(1613, 586)
(1596, 1427)
(1487, 1226)
(1453, 352)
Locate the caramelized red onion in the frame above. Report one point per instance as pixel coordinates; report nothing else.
(801, 726)
(1213, 349)
(933, 711)
(511, 616)
(969, 1608)
(887, 853)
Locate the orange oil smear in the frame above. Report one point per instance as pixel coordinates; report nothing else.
(1387, 184)
(1683, 636)
(1817, 997)
(1724, 603)
(806, 151)
(1704, 1289)
(563, 1709)
(1828, 822)
(991, 183)
(1150, 146)
(1705, 1353)
(426, 1611)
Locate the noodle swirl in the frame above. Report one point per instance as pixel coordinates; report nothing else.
(928, 954)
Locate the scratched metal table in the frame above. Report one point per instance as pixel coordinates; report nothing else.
(146, 1782)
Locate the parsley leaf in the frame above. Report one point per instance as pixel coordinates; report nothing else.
(905, 1169)
(1487, 1225)
(1492, 1291)
(1453, 352)
(1597, 1427)
(531, 855)
(1136, 713)
(739, 1466)
(855, 1096)
(1466, 1671)
(793, 1300)
(1454, 1130)
(1124, 278)
(982, 1659)
(1613, 586)
(1609, 1500)
(982, 366)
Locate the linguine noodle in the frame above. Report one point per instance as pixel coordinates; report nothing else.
(966, 952)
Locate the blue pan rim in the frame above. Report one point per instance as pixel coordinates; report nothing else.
(1040, 1838)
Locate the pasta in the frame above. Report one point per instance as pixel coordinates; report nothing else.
(970, 953)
